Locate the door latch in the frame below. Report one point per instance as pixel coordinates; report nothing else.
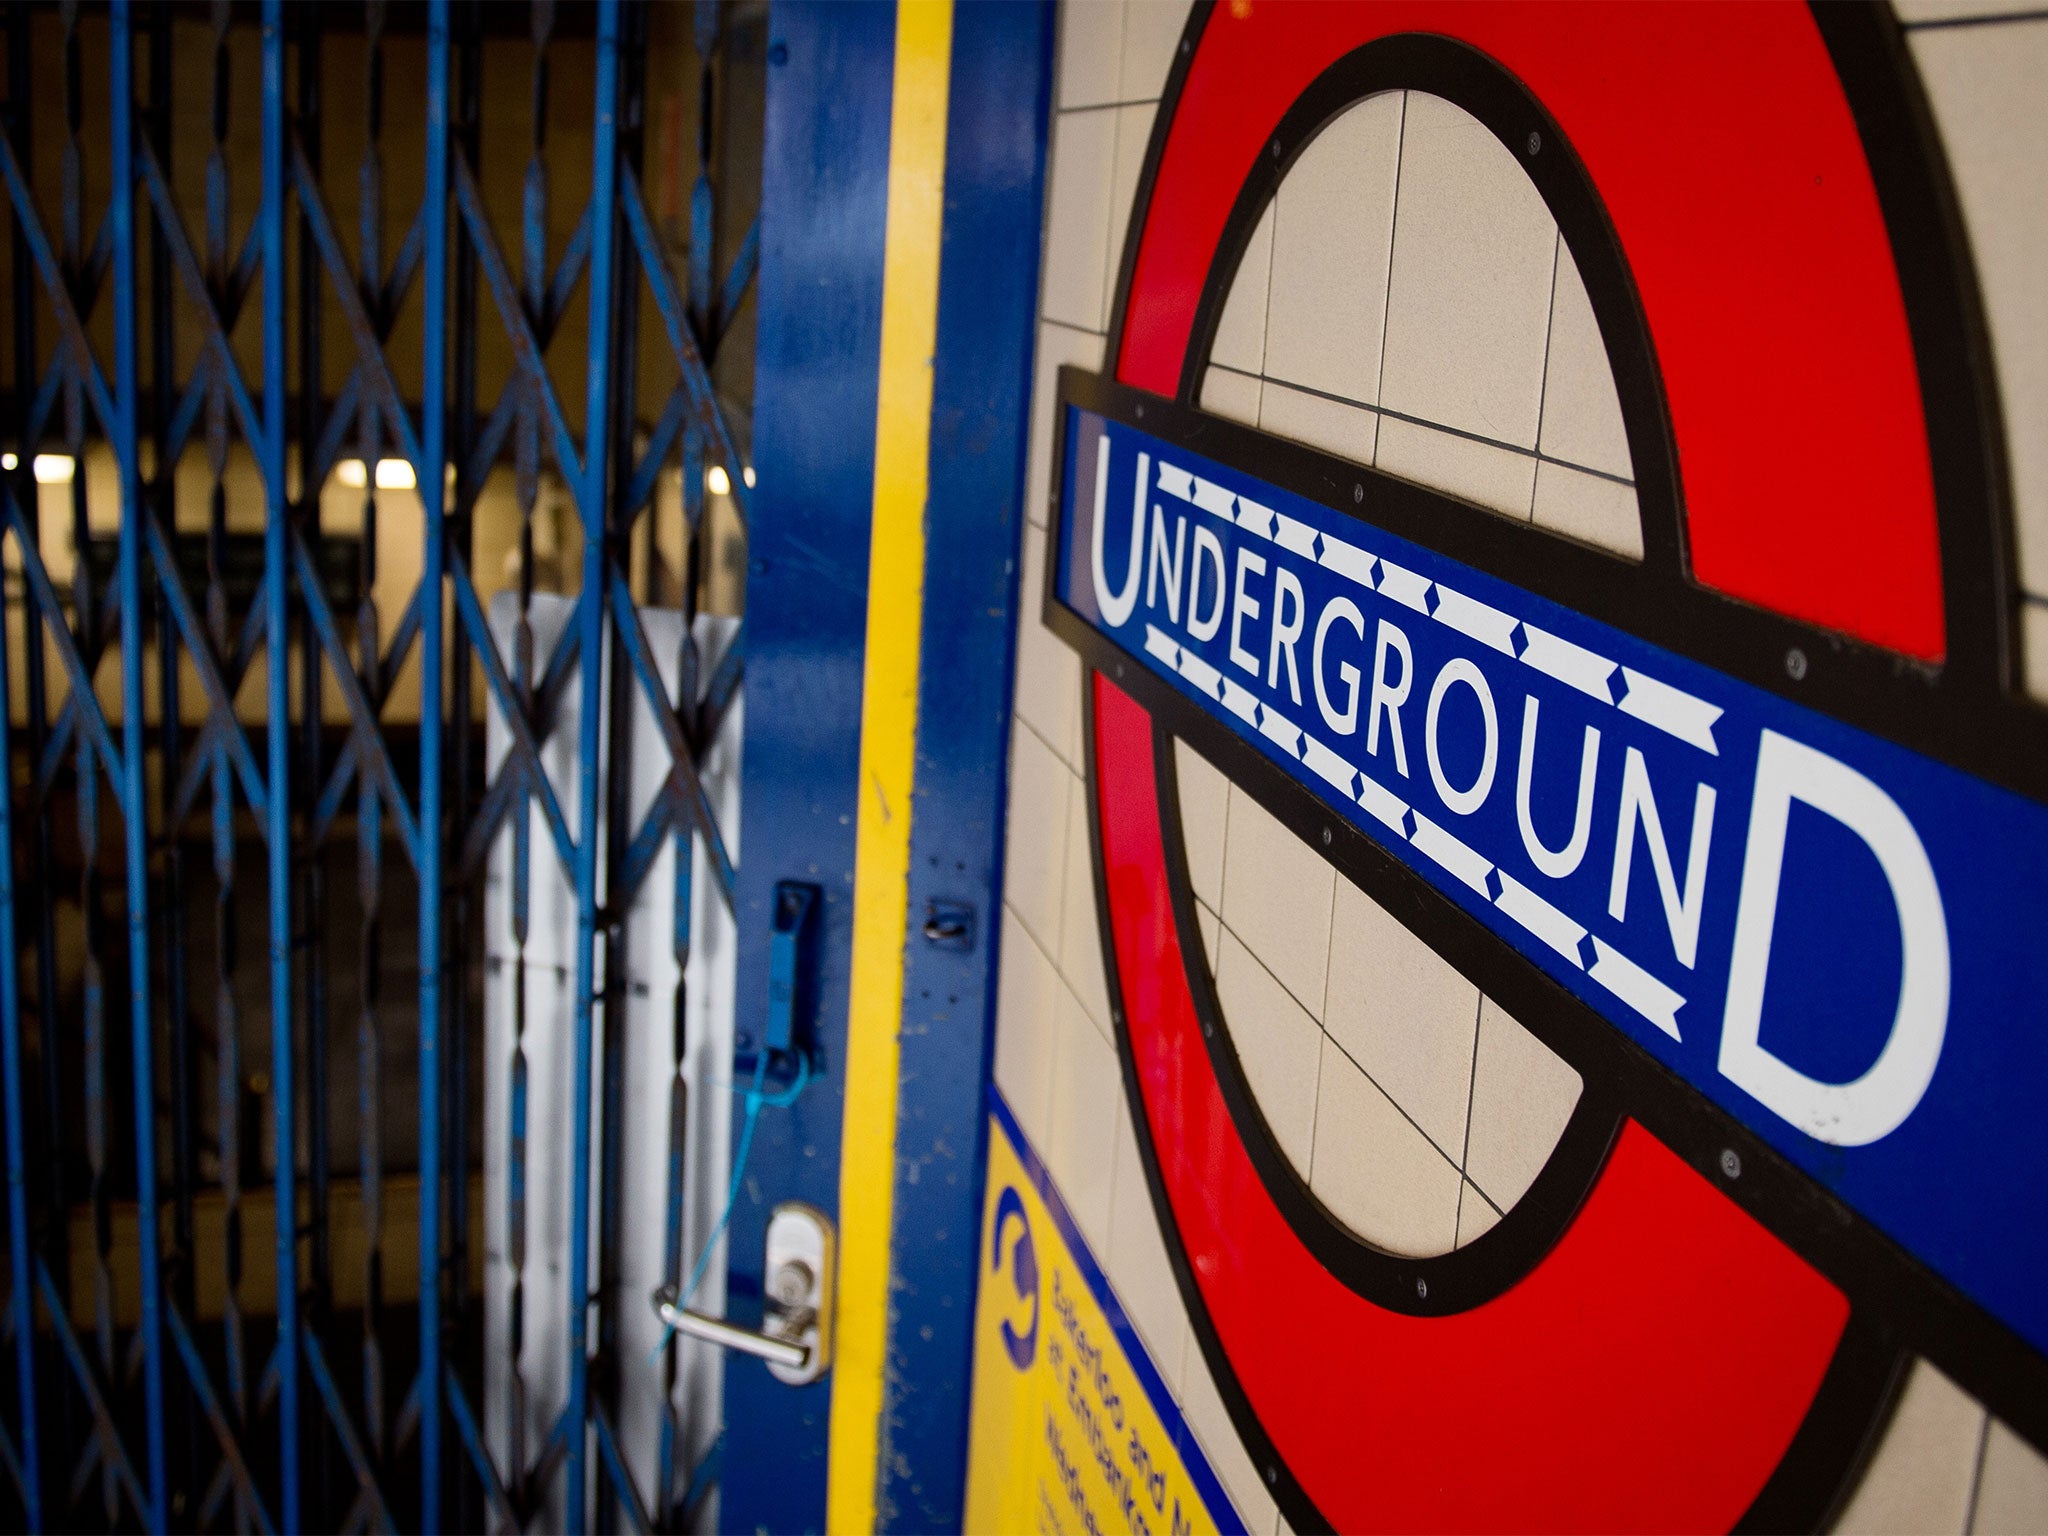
(791, 964)
(795, 1337)
(949, 924)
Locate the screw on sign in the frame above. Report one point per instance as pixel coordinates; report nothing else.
(1697, 1315)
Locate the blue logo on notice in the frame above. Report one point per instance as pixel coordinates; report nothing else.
(1023, 1346)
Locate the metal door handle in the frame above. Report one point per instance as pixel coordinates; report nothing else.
(797, 1309)
(716, 1330)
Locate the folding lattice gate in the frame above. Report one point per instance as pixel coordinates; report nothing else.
(264, 474)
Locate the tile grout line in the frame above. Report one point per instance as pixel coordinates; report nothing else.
(1977, 1474)
(1307, 1174)
(1037, 944)
(1223, 865)
(1379, 387)
(1019, 717)
(1107, 106)
(1315, 1108)
(1105, 1026)
(1110, 241)
(1443, 427)
(1381, 1089)
(1315, 1101)
(1266, 309)
(1314, 1018)
(1061, 900)
(1471, 1095)
(1988, 19)
(1543, 383)
(1225, 927)
(1068, 325)
(1051, 1034)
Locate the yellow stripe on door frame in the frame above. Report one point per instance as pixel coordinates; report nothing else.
(888, 750)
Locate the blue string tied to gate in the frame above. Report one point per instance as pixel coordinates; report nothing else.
(757, 1098)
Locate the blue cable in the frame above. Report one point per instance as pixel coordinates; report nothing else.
(788, 1096)
(739, 1173)
(756, 1098)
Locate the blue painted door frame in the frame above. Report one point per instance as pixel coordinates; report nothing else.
(824, 216)
(981, 396)
(824, 204)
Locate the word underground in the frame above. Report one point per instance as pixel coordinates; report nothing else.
(1795, 915)
(1371, 693)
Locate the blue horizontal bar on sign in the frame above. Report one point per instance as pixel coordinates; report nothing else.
(1834, 938)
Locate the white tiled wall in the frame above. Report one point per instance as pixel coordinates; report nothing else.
(1946, 1465)
(1468, 301)
(1452, 344)
(1407, 302)
(1326, 302)
(1925, 1469)
(1055, 1051)
(1987, 79)
(1415, 1109)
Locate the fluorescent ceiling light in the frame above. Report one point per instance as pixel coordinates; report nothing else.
(392, 474)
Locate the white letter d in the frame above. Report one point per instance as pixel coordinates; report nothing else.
(1842, 1114)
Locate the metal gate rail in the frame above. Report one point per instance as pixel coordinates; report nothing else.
(238, 1421)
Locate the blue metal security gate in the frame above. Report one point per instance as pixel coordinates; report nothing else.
(273, 366)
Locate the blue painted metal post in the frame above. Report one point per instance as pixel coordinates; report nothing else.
(981, 394)
(590, 499)
(824, 215)
(23, 1301)
(433, 489)
(818, 336)
(134, 803)
(279, 803)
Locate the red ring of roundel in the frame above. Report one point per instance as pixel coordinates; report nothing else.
(1651, 1371)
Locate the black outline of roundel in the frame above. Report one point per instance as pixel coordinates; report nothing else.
(1963, 711)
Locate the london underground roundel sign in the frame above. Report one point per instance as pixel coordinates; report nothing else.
(1752, 832)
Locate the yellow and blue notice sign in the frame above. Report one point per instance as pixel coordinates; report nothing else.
(1073, 1429)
